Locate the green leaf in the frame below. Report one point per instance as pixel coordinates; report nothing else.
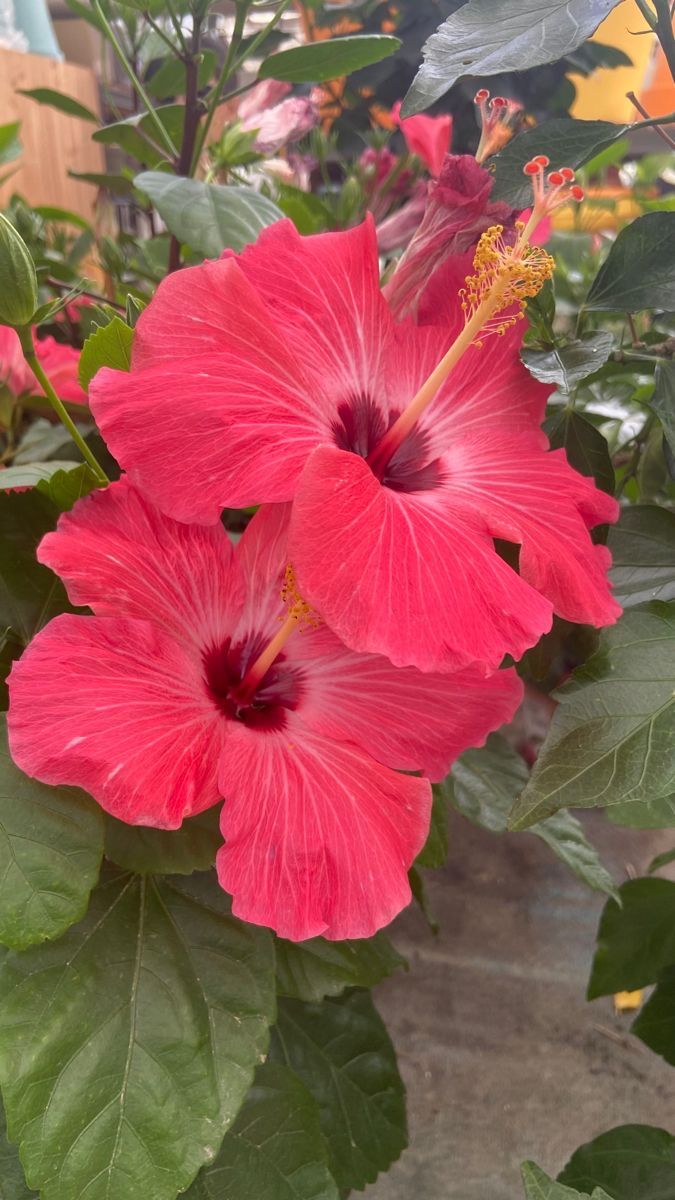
(316, 968)
(643, 555)
(30, 594)
(50, 212)
(636, 938)
(10, 146)
(631, 1162)
(482, 39)
(655, 1024)
(139, 1031)
(329, 59)
(568, 143)
(586, 449)
(663, 400)
(58, 100)
(181, 851)
(30, 474)
(343, 1053)
(108, 346)
(170, 78)
(639, 271)
(539, 1186)
(566, 366)
(119, 185)
(275, 1150)
(51, 842)
(421, 898)
(655, 812)
(612, 738)
(435, 850)
(207, 217)
(13, 1184)
(138, 135)
(64, 488)
(661, 860)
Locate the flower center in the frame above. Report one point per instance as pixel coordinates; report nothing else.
(280, 689)
(360, 427)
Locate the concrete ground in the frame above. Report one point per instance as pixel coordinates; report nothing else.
(502, 1056)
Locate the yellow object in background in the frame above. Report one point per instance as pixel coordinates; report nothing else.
(628, 1001)
(602, 97)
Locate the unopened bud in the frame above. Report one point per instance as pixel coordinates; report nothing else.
(18, 281)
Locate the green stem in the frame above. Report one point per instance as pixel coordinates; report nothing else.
(26, 339)
(166, 140)
(225, 72)
(664, 32)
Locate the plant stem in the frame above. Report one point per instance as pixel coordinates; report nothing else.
(647, 13)
(643, 112)
(166, 140)
(225, 72)
(26, 339)
(664, 32)
(190, 127)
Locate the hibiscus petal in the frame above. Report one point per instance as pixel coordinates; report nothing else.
(402, 574)
(262, 554)
(318, 837)
(117, 708)
(118, 554)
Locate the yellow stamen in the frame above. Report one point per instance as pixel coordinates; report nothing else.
(299, 614)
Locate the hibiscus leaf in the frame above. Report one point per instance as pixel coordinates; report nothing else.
(568, 143)
(655, 812)
(30, 594)
(328, 59)
(343, 1053)
(181, 851)
(612, 738)
(51, 842)
(13, 1184)
(316, 968)
(108, 346)
(485, 784)
(139, 1030)
(205, 216)
(585, 447)
(663, 400)
(27, 475)
(566, 366)
(643, 555)
(275, 1150)
(489, 37)
(655, 1024)
(539, 1186)
(636, 938)
(639, 271)
(631, 1162)
(435, 850)
(61, 102)
(65, 487)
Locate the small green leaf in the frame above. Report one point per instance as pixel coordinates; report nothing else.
(119, 185)
(643, 555)
(663, 400)
(585, 447)
(10, 146)
(653, 812)
(64, 488)
(205, 216)
(139, 1031)
(193, 847)
(108, 346)
(58, 100)
(661, 860)
(639, 271)
(481, 40)
(612, 738)
(329, 59)
(655, 1024)
(51, 842)
(275, 1150)
(636, 938)
(566, 366)
(435, 850)
(50, 212)
(317, 968)
(539, 1186)
(343, 1053)
(631, 1162)
(29, 474)
(30, 594)
(566, 142)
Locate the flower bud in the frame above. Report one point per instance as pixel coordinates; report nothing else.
(18, 281)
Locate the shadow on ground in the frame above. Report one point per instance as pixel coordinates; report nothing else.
(502, 1056)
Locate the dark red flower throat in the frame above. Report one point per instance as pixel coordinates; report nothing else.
(360, 427)
(279, 691)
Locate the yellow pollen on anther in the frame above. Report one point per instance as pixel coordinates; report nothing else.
(296, 606)
(505, 275)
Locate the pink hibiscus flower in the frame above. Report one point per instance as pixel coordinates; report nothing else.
(60, 363)
(161, 703)
(427, 137)
(273, 375)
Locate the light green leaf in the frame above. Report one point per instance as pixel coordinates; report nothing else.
(329, 59)
(139, 1031)
(13, 1184)
(119, 185)
(612, 738)
(275, 1150)
(484, 39)
(566, 142)
(30, 474)
(207, 217)
(643, 555)
(566, 366)
(64, 488)
(631, 1162)
(636, 938)
(10, 146)
(639, 271)
(342, 1052)
(316, 968)
(661, 860)
(585, 447)
(539, 1186)
(51, 842)
(663, 400)
(181, 851)
(58, 100)
(108, 346)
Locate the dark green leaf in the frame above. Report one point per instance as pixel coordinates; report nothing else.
(435, 850)
(636, 938)
(139, 1030)
(342, 1052)
(568, 143)
(64, 488)
(41, 441)
(481, 39)
(566, 366)
(170, 79)
(329, 59)
(58, 100)
(655, 1024)
(119, 185)
(643, 555)
(207, 217)
(108, 346)
(316, 968)
(655, 812)
(181, 851)
(138, 135)
(631, 1162)
(13, 1184)
(275, 1150)
(612, 738)
(307, 211)
(639, 271)
(30, 594)
(539, 1186)
(421, 898)
(663, 400)
(51, 841)
(661, 860)
(586, 449)
(50, 212)
(30, 474)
